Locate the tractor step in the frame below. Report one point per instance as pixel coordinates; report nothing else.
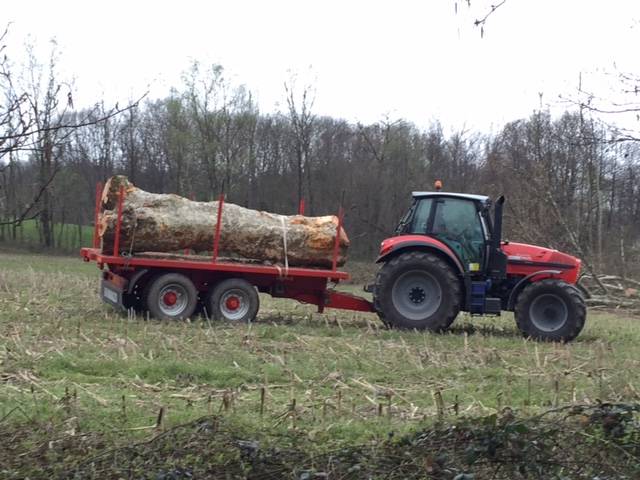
(479, 303)
(492, 306)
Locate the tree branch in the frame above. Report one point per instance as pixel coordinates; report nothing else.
(34, 202)
(480, 22)
(83, 123)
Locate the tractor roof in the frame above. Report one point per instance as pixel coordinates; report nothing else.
(466, 196)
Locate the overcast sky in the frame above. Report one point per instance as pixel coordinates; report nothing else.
(418, 60)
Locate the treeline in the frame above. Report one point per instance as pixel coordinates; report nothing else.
(569, 183)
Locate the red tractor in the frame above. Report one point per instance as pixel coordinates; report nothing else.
(448, 256)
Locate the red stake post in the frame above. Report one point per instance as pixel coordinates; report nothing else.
(301, 207)
(216, 238)
(96, 216)
(187, 251)
(336, 244)
(116, 243)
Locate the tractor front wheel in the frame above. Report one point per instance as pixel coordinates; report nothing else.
(417, 290)
(551, 310)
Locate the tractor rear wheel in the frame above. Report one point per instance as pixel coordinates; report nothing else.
(417, 290)
(551, 310)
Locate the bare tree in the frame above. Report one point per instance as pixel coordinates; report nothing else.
(37, 118)
(302, 122)
(619, 108)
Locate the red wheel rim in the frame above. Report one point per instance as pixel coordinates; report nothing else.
(232, 303)
(170, 298)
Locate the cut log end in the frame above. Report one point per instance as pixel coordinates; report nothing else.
(111, 191)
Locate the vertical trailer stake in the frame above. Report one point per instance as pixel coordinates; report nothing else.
(336, 244)
(96, 216)
(216, 239)
(116, 243)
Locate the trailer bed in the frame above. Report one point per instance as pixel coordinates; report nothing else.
(199, 262)
(125, 278)
(162, 282)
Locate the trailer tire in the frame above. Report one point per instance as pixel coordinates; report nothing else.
(233, 300)
(131, 301)
(171, 296)
(550, 310)
(134, 297)
(417, 290)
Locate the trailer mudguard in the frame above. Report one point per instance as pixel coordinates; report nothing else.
(134, 279)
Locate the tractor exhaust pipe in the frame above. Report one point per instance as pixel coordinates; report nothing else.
(497, 267)
(497, 223)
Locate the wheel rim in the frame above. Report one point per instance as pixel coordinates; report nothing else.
(173, 299)
(416, 295)
(234, 304)
(548, 312)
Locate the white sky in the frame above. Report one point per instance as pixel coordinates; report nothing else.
(412, 59)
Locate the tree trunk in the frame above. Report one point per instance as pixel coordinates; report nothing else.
(168, 223)
(46, 214)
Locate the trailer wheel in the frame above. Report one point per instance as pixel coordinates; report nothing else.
(136, 299)
(131, 301)
(234, 300)
(551, 310)
(171, 296)
(417, 290)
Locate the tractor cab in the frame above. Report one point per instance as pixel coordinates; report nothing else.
(463, 223)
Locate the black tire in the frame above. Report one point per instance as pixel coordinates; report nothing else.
(131, 301)
(417, 290)
(171, 296)
(233, 300)
(136, 299)
(551, 310)
(583, 290)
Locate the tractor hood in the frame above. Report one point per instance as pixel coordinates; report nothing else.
(526, 259)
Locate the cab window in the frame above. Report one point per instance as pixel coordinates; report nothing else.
(421, 216)
(457, 223)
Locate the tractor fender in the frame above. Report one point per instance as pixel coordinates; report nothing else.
(425, 245)
(524, 282)
(134, 279)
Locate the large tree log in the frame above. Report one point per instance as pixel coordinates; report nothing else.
(154, 222)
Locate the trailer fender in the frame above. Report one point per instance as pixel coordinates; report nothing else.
(134, 279)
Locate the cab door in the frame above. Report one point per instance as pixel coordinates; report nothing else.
(456, 222)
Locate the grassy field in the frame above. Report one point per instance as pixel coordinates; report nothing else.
(67, 237)
(72, 367)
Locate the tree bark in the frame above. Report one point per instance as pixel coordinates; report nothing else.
(169, 223)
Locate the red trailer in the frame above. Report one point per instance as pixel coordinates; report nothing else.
(174, 286)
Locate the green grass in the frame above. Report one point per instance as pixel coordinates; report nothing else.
(66, 237)
(66, 357)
